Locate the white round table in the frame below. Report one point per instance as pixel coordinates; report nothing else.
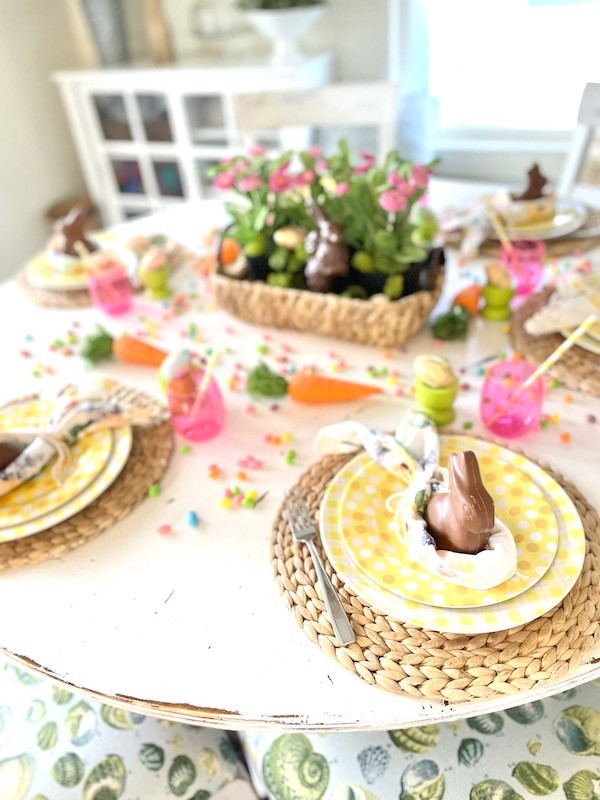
(190, 626)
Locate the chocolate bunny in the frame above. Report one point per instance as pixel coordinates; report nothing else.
(70, 230)
(329, 256)
(462, 519)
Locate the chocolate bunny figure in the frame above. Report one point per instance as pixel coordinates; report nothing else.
(68, 231)
(462, 519)
(329, 256)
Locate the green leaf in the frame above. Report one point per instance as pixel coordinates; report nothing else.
(394, 286)
(263, 382)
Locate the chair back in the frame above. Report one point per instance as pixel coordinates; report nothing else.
(582, 164)
(332, 105)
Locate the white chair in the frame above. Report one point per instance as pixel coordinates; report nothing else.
(347, 105)
(582, 164)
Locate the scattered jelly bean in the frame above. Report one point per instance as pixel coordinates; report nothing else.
(567, 398)
(192, 519)
(467, 425)
(164, 530)
(154, 490)
(554, 384)
(225, 502)
(185, 449)
(241, 476)
(263, 349)
(565, 437)
(591, 418)
(290, 457)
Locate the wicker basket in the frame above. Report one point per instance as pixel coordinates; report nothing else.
(380, 323)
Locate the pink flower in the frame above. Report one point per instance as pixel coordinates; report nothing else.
(419, 176)
(280, 181)
(393, 201)
(241, 166)
(404, 187)
(304, 178)
(249, 183)
(256, 150)
(224, 180)
(321, 165)
(366, 156)
(342, 188)
(315, 151)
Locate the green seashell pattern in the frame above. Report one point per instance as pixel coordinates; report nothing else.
(68, 770)
(16, 776)
(293, 771)
(152, 756)
(488, 724)
(47, 736)
(538, 779)
(182, 773)
(469, 752)
(36, 711)
(578, 729)
(583, 785)
(422, 780)
(81, 724)
(527, 714)
(416, 740)
(494, 790)
(61, 696)
(107, 780)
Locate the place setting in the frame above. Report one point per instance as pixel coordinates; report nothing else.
(73, 461)
(79, 268)
(451, 566)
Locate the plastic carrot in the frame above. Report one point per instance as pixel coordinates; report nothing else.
(305, 387)
(101, 345)
(135, 351)
(230, 250)
(469, 298)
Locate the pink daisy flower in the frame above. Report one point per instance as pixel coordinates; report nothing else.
(342, 188)
(249, 183)
(224, 180)
(393, 201)
(419, 176)
(256, 150)
(280, 181)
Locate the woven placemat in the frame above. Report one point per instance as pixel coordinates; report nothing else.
(151, 452)
(425, 664)
(577, 369)
(53, 298)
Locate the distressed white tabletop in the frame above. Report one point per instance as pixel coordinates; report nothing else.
(191, 625)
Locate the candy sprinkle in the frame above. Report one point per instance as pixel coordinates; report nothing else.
(591, 418)
(467, 425)
(565, 437)
(192, 519)
(154, 490)
(164, 530)
(290, 457)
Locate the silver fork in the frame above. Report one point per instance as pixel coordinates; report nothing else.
(303, 530)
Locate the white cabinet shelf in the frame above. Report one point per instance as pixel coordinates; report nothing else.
(145, 136)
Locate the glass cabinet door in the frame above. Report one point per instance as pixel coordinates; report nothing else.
(155, 117)
(206, 120)
(112, 117)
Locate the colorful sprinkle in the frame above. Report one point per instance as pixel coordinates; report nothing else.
(590, 418)
(263, 349)
(185, 449)
(192, 519)
(565, 437)
(164, 530)
(214, 471)
(290, 457)
(567, 398)
(467, 425)
(154, 490)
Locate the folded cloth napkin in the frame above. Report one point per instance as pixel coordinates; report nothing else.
(77, 412)
(577, 296)
(413, 453)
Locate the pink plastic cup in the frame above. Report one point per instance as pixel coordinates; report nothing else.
(504, 411)
(196, 417)
(109, 287)
(524, 260)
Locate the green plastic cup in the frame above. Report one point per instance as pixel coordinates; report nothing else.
(436, 403)
(497, 299)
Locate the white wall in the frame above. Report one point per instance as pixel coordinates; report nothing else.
(38, 165)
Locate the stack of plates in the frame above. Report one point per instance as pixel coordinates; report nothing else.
(360, 537)
(570, 216)
(41, 503)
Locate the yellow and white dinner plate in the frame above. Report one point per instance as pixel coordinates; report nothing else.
(531, 604)
(569, 217)
(41, 503)
(369, 531)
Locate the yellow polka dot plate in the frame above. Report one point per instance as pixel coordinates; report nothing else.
(542, 596)
(369, 531)
(40, 503)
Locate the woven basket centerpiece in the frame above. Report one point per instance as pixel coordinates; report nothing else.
(329, 245)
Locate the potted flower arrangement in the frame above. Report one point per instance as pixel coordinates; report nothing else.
(387, 233)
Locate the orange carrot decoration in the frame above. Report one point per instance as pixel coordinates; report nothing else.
(102, 345)
(135, 351)
(305, 387)
(469, 298)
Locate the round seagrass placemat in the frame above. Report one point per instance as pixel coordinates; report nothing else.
(53, 298)
(576, 369)
(151, 452)
(423, 663)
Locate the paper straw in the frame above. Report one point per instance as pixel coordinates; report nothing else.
(497, 225)
(210, 368)
(545, 365)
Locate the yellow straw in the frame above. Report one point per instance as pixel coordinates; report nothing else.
(210, 367)
(545, 365)
(497, 225)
